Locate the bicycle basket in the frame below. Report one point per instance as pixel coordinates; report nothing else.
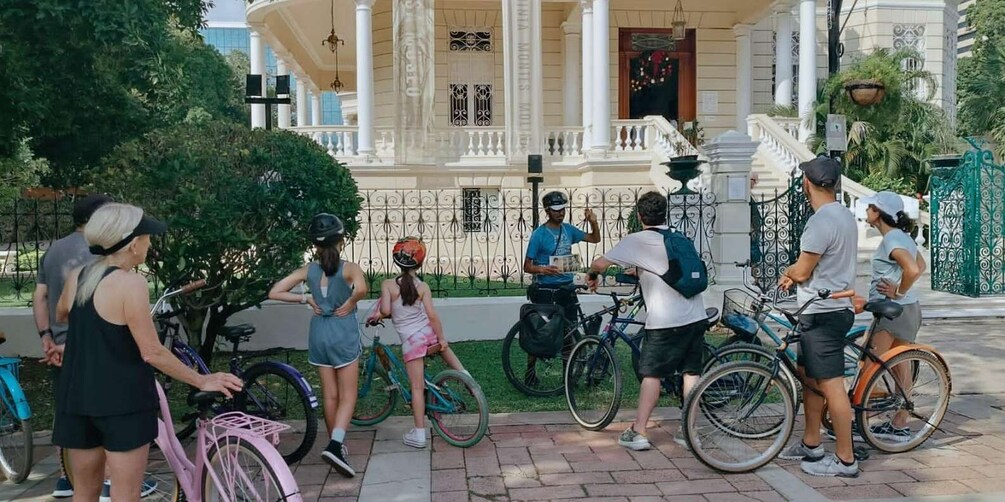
(741, 312)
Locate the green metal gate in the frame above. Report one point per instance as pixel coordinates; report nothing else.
(776, 226)
(968, 224)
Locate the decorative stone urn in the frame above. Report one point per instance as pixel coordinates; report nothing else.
(683, 169)
(865, 92)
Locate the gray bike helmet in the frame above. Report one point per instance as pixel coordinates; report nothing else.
(325, 226)
(556, 201)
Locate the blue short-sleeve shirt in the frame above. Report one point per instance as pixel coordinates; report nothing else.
(546, 242)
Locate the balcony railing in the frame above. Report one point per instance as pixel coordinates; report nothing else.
(650, 138)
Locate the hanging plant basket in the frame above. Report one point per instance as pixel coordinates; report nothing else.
(865, 92)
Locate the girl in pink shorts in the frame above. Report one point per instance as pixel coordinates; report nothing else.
(409, 303)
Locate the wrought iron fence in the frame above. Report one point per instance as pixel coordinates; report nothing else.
(477, 238)
(27, 228)
(968, 225)
(776, 228)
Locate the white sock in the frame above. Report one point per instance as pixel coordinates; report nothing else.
(420, 433)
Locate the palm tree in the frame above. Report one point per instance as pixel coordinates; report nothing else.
(983, 106)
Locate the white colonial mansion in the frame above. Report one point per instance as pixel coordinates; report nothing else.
(457, 93)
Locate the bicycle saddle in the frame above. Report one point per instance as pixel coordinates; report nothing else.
(202, 399)
(238, 332)
(885, 308)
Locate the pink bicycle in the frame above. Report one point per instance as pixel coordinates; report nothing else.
(235, 458)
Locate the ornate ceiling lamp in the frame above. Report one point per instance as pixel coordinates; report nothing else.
(332, 42)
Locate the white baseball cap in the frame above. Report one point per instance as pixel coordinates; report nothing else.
(886, 202)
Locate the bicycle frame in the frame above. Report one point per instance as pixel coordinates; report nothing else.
(18, 404)
(189, 473)
(397, 374)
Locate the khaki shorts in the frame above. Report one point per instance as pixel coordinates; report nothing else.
(904, 327)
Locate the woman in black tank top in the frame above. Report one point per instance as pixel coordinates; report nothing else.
(106, 402)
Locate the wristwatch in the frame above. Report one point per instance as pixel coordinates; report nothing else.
(46, 331)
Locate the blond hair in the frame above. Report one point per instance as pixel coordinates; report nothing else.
(108, 225)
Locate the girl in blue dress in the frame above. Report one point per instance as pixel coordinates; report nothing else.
(333, 342)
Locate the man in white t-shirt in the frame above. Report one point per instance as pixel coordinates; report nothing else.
(675, 325)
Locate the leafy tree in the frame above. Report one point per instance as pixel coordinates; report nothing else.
(80, 77)
(980, 85)
(237, 202)
(19, 171)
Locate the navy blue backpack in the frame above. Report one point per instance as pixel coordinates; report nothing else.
(687, 273)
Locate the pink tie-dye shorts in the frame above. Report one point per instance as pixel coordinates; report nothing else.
(414, 346)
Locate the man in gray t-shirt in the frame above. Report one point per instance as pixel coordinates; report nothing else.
(62, 257)
(828, 253)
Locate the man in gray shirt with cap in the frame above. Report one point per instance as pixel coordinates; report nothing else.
(827, 258)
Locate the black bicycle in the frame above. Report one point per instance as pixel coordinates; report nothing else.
(542, 375)
(593, 383)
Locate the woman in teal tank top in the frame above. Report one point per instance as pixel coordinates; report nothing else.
(333, 340)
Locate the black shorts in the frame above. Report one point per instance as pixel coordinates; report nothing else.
(821, 342)
(113, 433)
(668, 351)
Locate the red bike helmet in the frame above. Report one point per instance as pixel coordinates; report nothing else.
(409, 252)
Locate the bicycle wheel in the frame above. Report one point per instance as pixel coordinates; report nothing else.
(742, 351)
(248, 471)
(730, 437)
(891, 423)
(276, 395)
(533, 376)
(376, 398)
(637, 338)
(158, 472)
(593, 384)
(15, 438)
(466, 424)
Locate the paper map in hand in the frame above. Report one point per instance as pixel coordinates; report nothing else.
(566, 263)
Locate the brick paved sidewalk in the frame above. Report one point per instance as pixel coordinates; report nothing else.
(542, 456)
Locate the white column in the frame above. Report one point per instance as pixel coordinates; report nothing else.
(283, 110)
(364, 75)
(807, 64)
(730, 159)
(744, 74)
(315, 107)
(523, 69)
(571, 100)
(301, 101)
(783, 54)
(258, 68)
(601, 76)
(587, 7)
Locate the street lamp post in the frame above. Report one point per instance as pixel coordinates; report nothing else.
(253, 94)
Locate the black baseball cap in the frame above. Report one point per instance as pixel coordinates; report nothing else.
(83, 208)
(822, 171)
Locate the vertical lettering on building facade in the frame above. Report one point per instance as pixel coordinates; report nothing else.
(414, 78)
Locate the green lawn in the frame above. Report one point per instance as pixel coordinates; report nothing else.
(482, 359)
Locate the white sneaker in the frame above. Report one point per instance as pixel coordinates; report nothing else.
(678, 438)
(633, 440)
(415, 438)
(830, 466)
(799, 451)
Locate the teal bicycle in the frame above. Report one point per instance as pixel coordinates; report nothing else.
(15, 425)
(455, 403)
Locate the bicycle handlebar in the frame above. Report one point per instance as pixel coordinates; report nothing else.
(192, 286)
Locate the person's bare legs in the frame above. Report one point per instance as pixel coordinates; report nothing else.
(347, 378)
(88, 473)
(649, 395)
(690, 380)
(881, 342)
(417, 382)
(329, 396)
(450, 359)
(839, 408)
(126, 470)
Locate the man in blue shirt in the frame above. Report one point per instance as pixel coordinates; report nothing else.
(551, 285)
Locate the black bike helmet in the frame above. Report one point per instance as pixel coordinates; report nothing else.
(554, 200)
(325, 226)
